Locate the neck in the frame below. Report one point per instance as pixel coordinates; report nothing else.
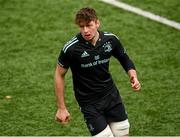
(95, 38)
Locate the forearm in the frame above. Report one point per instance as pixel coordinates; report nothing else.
(62, 114)
(59, 91)
(126, 62)
(59, 88)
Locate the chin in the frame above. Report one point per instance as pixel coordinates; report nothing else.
(88, 39)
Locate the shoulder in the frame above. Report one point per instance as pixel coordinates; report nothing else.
(110, 35)
(71, 43)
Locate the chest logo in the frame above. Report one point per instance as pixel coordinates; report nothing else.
(84, 54)
(107, 47)
(96, 57)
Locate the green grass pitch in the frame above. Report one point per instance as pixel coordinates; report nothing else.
(32, 32)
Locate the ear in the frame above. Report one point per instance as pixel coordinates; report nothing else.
(98, 23)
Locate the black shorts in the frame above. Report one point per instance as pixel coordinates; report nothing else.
(110, 109)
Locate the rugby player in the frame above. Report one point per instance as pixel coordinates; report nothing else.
(88, 54)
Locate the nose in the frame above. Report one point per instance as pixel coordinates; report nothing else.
(85, 29)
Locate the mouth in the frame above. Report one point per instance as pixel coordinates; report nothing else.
(87, 36)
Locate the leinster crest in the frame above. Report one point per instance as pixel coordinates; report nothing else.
(107, 47)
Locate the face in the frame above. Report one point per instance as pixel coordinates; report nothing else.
(89, 30)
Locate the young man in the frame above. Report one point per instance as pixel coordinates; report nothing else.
(88, 54)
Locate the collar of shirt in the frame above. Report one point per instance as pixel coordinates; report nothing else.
(84, 42)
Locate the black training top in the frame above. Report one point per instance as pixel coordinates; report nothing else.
(90, 65)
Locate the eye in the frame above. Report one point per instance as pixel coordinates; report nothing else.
(81, 26)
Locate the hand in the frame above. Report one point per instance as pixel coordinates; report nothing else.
(135, 84)
(62, 116)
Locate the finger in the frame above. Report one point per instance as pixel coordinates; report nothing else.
(67, 119)
(134, 82)
(61, 122)
(137, 88)
(58, 120)
(134, 85)
(64, 120)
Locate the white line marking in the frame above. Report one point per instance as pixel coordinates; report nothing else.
(143, 13)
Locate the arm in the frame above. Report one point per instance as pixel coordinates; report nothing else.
(62, 114)
(134, 80)
(127, 64)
